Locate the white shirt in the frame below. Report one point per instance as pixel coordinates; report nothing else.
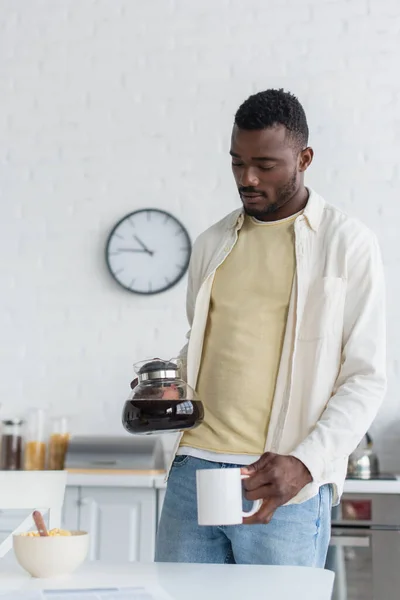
(332, 375)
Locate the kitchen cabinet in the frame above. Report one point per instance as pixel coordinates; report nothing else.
(121, 523)
(160, 502)
(70, 513)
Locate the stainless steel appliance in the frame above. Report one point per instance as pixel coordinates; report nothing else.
(365, 546)
(117, 454)
(363, 462)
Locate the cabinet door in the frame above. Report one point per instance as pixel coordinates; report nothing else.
(160, 501)
(70, 513)
(121, 523)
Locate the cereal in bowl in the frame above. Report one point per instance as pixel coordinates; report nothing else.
(52, 533)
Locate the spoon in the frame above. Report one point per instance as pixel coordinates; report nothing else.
(40, 524)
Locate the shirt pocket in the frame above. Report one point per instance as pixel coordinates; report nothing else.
(323, 309)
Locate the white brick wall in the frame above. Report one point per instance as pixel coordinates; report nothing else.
(112, 105)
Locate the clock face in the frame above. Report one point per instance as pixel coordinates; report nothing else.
(148, 251)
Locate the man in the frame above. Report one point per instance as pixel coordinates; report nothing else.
(286, 350)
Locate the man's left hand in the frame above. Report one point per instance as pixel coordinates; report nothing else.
(275, 479)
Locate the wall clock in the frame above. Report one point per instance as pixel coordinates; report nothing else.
(148, 251)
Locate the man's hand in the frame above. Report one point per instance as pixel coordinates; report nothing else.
(275, 479)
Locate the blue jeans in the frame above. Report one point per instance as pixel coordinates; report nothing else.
(297, 535)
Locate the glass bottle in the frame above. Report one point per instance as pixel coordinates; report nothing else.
(58, 443)
(35, 443)
(11, 444)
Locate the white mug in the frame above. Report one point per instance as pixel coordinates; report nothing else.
(220, 497)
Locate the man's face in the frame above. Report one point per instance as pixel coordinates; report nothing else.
(268, 169)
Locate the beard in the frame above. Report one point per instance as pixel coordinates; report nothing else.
(283, 195)
(261, 212)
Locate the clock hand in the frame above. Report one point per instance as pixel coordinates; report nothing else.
(131, 250)
(145, 248)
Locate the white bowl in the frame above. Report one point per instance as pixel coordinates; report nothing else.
(51, 556)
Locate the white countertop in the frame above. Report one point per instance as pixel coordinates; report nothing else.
(351, 486)
(194, 581)
(110, 480)
(359, 486)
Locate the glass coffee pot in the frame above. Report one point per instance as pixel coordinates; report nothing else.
(162, 401)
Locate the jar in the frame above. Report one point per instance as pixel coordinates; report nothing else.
(35, 443)
(162, 401)
(11, 445)
(58, 443)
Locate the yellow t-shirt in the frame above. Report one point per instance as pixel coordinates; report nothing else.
(243, 339)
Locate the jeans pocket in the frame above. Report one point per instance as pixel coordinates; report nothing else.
(180, 460)
(325, 504)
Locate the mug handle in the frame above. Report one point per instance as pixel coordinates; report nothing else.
(256, 503)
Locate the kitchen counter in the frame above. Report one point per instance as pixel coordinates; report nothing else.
(156, 479)
(372, 486)
(198, 581)
(119, 478)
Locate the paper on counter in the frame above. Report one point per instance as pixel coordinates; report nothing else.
(131, 593)
(136, 593)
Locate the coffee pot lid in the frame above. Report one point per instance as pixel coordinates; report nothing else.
(157, 369)
(157, 365)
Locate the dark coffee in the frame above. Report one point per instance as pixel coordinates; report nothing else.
(11, 452)
(152, 416)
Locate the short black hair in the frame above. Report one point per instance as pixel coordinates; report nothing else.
(274, 107)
